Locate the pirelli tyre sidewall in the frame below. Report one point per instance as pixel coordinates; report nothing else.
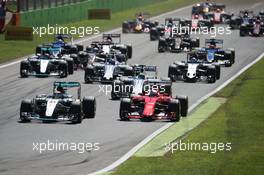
(129, 51)
(25, 107)
(211, 74)
(89, 73)
(184, 102)
(70, 64)
(116, 86)
(76, 111)
(125, 107)
(172, 73)
(162, 45)
(63, 69)
(128, 71)
(175, 109)
(154, 34)
(24, 69)
(89, 107)
(218, 71)
(125, 27)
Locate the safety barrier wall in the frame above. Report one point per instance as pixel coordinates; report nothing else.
(76, 12)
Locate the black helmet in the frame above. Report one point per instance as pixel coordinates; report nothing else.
(60, 89)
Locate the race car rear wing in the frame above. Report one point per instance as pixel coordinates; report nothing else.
(67, 85)
(149, 71)
(218, 6)
(145, 15)
(248, 11)
(214, 41)
(112, 36)
(63, 37)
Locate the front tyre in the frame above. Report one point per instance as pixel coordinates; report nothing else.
(175, 110)
(25, 110)
(89, 107)
(75, 111)
(125, 105)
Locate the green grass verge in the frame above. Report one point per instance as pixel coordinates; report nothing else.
(14, 49)
(239, 121)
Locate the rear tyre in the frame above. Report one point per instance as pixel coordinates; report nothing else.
(75, 110)
(172, 72)
(242, 32)
(70, 66)
(25, 110)
(128, 71)
(175, 109)
(218, 71)
(89, 107)
(129, 51)
(211, 74)
(63, 70)
(125, 106)
(89, 72)
(184, 102)
(24, 69)
(161, 45)
(116, 86)
(154, 34)
(125, 27)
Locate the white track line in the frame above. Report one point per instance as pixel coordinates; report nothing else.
(150, 137)
(85, 39)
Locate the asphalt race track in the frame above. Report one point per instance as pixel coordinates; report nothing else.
(115, 138)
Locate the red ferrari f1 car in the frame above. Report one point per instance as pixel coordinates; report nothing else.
(153, 106)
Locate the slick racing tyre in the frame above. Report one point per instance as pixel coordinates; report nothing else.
(129, 51)
(218, 71)
(24, 69)
(89, 73)
(63, 69)
(175, 109)
(25, 110)
(161, 45)
(172, 73)
(124, 109)
(70, 66)
(184, 105)
(125, 27)
(89, 107)
(211, 74)
(76, 111)
(116, 87)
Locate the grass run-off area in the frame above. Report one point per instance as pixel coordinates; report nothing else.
(239, 121)
(14, 49)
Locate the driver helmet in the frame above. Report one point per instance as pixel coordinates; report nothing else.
(140, 17)
(153, 93)
(61, 90)
(109, 39)
(193, 59)
(246, 14)
(169, 25)
(212, 45)
(141, 76)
